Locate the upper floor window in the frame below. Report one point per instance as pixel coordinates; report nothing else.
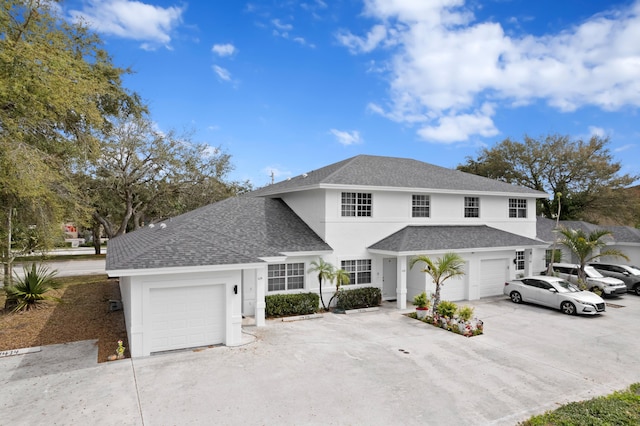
(359, 270)
(471, 207)
(356, 204)
(517, 207)
(519, 260)
(285, 276)
(420, 206)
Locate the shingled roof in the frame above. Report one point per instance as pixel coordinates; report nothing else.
(233, 231)
(443, 237)
(370, 170)
(619, 234)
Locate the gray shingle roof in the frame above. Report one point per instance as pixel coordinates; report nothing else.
(235, 230)
(369, 170)
(442, 237)
(620, 234)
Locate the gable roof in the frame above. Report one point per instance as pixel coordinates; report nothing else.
(376, 171)
(233, 231)
(620, 234)
(442, 237)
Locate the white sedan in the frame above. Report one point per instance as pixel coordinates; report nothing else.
(554, 292)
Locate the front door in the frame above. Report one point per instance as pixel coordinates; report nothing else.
(389, 278)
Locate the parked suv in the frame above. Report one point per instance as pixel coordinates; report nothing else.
(630, 275)
(596, 282)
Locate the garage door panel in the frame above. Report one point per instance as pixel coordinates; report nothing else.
(184, 317)
(493, 274)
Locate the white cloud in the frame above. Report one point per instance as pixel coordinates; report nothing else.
(597, 131)
(346, 137)
(224, 49)
(444, 65)
(131, 19)
(364, 44)
(222, 73)
(625, 147)
(281, 26)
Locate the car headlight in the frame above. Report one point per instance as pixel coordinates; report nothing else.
(583, 302)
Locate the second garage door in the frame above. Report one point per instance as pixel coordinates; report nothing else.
(493, 274)
(187, 317)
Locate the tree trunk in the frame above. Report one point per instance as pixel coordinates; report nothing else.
(7, 255)
(95, 233)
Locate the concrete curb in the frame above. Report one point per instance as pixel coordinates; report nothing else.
(301, 317)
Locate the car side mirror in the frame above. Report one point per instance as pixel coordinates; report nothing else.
(553, 290)
(626, 273)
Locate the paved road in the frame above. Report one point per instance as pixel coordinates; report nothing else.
(377, 368)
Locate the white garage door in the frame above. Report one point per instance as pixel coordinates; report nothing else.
(454, 289)
(187, 317)
(493, 274)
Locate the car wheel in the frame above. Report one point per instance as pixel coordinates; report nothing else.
(597, 290)
(515, 297)
(636, 289)
(568, 308)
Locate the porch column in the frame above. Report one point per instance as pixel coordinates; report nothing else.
(401, 280)
(261, 284)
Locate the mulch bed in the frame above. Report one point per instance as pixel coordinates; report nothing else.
(83, 315)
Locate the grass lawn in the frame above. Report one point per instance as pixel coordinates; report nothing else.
(82, 315)
(619, 408)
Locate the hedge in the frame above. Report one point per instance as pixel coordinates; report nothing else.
(358, 298)
(282, 305)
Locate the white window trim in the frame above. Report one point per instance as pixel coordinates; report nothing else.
(287, 276)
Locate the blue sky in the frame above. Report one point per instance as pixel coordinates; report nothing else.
(291, 86)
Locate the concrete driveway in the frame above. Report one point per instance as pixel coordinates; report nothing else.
(372, 368)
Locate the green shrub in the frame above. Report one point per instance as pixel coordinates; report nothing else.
(31, 289)
(421, 301)
(465, 312)
(282, 305)
(447, 309)
(358, 298)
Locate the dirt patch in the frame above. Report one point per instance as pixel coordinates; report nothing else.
(83, 315)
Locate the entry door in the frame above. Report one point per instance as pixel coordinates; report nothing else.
(389, 278)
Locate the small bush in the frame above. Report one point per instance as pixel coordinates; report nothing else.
(358, 298)
(421, 300)
(447, 309)
(282, 305)
(465, 312)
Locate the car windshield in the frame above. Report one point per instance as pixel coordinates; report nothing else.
(592, 273)
(634, 270)
(565, 287)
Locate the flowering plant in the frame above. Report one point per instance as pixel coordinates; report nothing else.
(120, 350)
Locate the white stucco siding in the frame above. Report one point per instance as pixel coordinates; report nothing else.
(137, 300)
(310, 206)
(391, 211)
(631, 250)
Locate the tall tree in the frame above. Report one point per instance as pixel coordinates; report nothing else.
(587, 247)
(56, 86)
(144, 175)
(582, 171)
(441, 269)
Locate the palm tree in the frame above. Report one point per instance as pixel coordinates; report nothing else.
(324, 271)
(448, 266)
(341, 277)
(30, 289)
(583, 246)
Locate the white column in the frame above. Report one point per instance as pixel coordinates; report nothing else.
(401, 280)
(261, 286)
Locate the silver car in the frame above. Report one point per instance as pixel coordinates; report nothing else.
(630, 275)
(554, 292)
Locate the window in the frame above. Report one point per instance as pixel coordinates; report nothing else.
(356, 204)
(359, 271)
(289, 276)
(517, 207)
(420, 206)
(519, 260)
(471, 207)
(548, 256)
